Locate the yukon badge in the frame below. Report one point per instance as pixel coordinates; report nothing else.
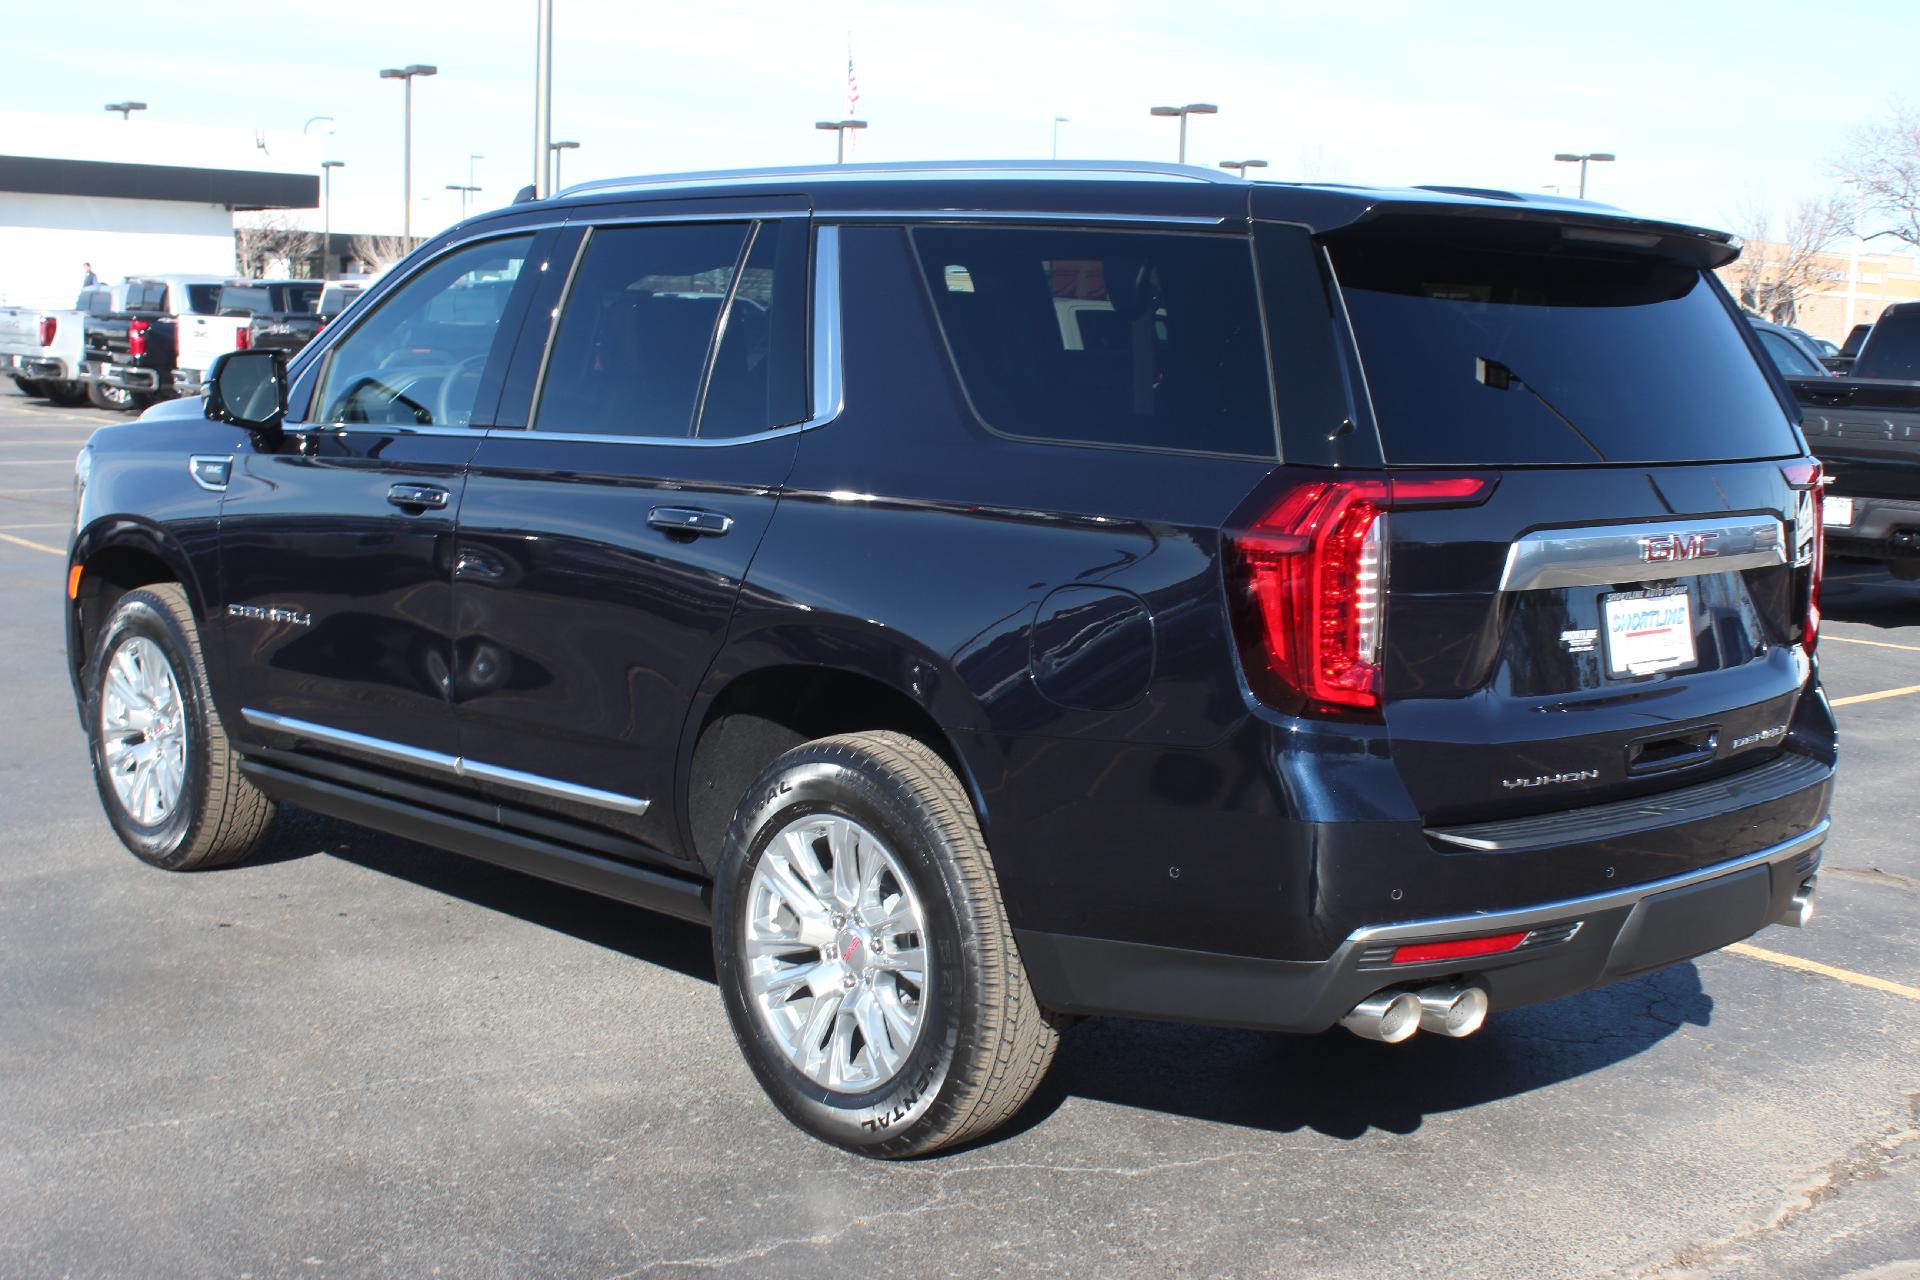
(1550, 779)
(1664, 547)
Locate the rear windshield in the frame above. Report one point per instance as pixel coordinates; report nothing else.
(1483, 355)
(203, 299)
(1892, 349)
(1144, 339)
(335, 299)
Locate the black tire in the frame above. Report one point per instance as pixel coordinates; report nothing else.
(984, 1044)
(112, 399)
(220, 816)
(31, 387)
(67, 394)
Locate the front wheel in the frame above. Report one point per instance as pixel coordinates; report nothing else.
(167, 776)
(117, 399)
(868, 968)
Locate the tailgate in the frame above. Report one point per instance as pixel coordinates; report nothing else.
(1868, 432)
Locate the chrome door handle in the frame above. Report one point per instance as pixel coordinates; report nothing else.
(417, 495)
(690, 520)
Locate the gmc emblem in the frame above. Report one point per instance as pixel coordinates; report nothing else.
(1663, 547)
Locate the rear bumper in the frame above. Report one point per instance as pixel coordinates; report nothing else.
(1882, 529)
(1571, 945)
(35, 368)
(187, 382)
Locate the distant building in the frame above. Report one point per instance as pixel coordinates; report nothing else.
(1847, 291)
(133, 196)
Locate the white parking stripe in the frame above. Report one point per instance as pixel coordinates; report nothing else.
(31, 545)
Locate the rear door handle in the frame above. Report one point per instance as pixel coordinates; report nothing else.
(418, 495)
(690, 520)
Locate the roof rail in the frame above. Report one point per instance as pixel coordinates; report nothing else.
(907, 170)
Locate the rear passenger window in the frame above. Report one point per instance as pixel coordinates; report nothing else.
(637, 328)
(759, 367)
(1147, 339)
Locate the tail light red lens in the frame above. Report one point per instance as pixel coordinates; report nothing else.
(1809, 543)
(49, 325)
(1311, 576)
(136, 337)
(242, 338)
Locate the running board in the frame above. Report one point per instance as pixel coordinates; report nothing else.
(677, 896)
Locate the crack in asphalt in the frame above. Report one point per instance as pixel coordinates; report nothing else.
(1873, 875)
(941, 1200)
(1868, 1161)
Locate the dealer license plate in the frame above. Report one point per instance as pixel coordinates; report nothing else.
(1836, 511)
(1648, 631)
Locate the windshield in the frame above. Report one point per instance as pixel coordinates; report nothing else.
(1632, 359)
(1893, 348)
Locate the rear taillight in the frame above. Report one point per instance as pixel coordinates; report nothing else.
(242, 339)
(1809, 542)
(137, 338)
(1311, 580)
(49, 325)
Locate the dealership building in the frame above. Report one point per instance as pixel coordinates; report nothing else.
(133, 197)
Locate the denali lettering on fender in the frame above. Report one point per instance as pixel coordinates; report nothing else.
(1664, 547)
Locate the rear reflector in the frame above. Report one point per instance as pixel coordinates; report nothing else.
(1311, 587)
(1459, 949)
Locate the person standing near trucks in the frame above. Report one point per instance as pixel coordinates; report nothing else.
(89, 279)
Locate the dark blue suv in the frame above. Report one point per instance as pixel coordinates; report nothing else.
(992, 594)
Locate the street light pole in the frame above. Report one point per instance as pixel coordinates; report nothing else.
(465, 191)
(840, 128)
(326, 210)
(1057, 122)
(1567, 157)
(543, 101)
(1191, 109)
(405, 75)
(556, 148)
(126, 109)
(1240, 167)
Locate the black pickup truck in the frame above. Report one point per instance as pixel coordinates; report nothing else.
(288, 328)
(1865, 428)
(130, 355)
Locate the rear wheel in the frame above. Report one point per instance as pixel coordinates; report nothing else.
(30, 387)
(167, 776)
(67, 394)
(864, 954)
(118, 399)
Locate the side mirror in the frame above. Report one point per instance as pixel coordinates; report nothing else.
(249, 389)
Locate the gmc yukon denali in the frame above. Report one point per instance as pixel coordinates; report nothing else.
(994, 594)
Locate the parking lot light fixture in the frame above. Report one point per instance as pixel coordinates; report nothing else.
(405, 75)
(1191, 109)
(1568, 157)
(1240, 167)
(556, 148)
(1057, 122)
(840, 128)
(126, 109)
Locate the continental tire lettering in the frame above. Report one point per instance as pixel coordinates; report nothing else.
(899, 1111)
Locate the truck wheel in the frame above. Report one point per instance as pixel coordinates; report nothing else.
(864, 953)
(1905, 570)
(67, 394)
(167, 776)
(29, 387)
(118, 399)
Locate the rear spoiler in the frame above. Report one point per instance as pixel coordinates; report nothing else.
(1697, 246)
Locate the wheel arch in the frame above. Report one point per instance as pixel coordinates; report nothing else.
(114, 556)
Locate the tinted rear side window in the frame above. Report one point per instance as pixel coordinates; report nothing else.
(1478, 355)
(203, 299)
(1892, 349)
(1147, 339)
(1789, 359)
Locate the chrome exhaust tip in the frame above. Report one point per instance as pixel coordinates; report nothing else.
(1387, 1016)
(1799, 912)
(1453, 1011)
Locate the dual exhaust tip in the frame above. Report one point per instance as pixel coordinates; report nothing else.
(1393, 1016)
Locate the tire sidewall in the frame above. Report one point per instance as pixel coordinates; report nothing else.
(143, 615)
(819, 779)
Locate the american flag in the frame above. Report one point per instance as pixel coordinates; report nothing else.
(853, 87)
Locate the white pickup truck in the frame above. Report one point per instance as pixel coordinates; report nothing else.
(204, 339)
(42, 350)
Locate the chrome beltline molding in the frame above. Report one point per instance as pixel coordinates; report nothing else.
(456, 766)
(1547, 912)
(1602, 555)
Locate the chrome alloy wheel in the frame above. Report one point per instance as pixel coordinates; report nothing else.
(835, 952)
(143, 732)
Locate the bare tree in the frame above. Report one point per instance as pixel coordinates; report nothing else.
(272, 245)
(1774, 272)
(380, 252)
(1882, 162)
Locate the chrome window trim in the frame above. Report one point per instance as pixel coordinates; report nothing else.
(1063, 217)
(1602, 555)
(827, 379)
(456, 766)
(1546, 912)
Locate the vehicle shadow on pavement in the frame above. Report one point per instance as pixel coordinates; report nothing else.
(1870, 597)
(1342, 1086)
(645, 935)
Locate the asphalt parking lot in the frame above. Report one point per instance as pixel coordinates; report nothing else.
(360, 1057)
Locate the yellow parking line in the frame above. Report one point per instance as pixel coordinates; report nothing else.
(31, 545)
(1878, 644)
(51, 524)
(1825, 970)
(36, 462)
(1875, 697)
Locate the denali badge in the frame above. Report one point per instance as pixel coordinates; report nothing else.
(1664, 547)
(255, 613)
(1765, 735)
(1550, 779)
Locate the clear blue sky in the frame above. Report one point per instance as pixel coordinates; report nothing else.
(1710, 107)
